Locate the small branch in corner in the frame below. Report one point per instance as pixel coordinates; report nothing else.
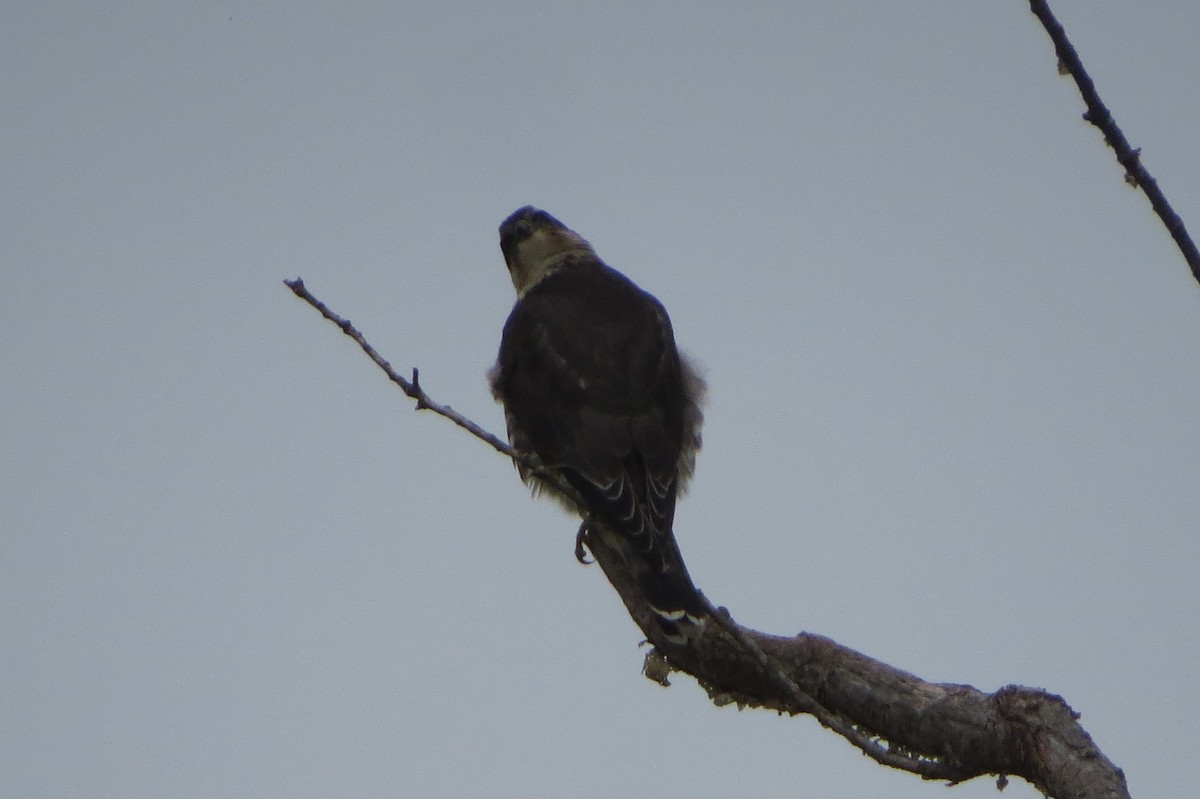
(1129, 157)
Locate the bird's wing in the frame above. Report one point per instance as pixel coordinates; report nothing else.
(592, 383)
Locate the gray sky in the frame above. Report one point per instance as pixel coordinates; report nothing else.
(952, 366)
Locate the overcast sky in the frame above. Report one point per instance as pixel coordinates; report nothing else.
(952, 362)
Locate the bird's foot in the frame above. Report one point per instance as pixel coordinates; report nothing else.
(581, 540)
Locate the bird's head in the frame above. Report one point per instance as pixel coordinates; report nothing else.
(535, 244)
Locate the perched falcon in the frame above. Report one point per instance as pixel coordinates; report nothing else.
(593, 385)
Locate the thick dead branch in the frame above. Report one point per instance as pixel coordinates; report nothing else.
(1129, 157)
(938, 731)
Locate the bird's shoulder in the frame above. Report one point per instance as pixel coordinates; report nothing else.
(588, 295)
(593, 334)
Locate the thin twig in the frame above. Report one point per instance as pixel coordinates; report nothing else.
(529, 462)
(1128, 156)
(410, 387)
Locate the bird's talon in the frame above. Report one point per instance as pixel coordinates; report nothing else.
(581, 544)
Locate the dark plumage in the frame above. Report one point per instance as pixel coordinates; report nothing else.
(592, 383)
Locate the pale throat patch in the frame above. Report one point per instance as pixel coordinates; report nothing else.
(542, 253)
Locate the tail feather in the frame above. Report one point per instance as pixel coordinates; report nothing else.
(665, 585)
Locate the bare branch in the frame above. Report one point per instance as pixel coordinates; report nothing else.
(937, 731)
(424, 403)
(410, 387)
(1129, 157)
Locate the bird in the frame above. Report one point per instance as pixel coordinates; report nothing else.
(593, 385)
